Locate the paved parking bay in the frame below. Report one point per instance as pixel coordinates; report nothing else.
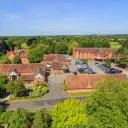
(91, 63)
(95, 69)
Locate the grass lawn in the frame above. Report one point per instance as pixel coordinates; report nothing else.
(23, 99)
(115, 45)
(80, 94)
(24, 46)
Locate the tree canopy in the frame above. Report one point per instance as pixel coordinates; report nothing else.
(69, 114)
(108, 106)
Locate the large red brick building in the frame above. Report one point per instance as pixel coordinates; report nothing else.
(93, 53)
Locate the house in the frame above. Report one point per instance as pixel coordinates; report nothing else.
(58, 63)
(29, 73)
(93, 53)
(21, 53)
(87, 83)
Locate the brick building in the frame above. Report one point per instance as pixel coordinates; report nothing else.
(29, 73)
(93, 53)
(57, 63)
(87, 83)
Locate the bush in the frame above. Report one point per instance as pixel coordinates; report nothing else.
(65, 87)
(39, 91)
(16, 88)
(6, 60)
(44, 90)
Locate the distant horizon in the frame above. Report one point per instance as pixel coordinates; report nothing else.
(63, 17)
(66, 35)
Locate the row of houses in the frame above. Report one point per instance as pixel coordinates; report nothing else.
(33, 73)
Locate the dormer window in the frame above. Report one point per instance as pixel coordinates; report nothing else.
(13, 75)
(39, 77)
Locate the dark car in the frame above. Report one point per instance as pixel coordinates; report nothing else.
(104, 67)
(80, 70)
(114, 71)
(90, 71)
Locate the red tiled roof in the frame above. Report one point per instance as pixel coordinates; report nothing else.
(51, 57)
(22, 68)
(56, 65)
(89, 81)
(26, 77)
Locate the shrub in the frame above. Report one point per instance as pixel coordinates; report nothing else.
(39, 91)
(44, 90)
(65, 87)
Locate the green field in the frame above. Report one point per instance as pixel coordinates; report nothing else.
(115, 45)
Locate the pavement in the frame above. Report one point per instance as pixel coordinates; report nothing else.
(55, 85)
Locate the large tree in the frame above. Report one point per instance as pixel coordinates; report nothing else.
(61, 48)
(16, 88)
(108, 106)
(122, 57)
(3, 82)
(69, 114)
(35, 55)
(19, 119)
(42, 119)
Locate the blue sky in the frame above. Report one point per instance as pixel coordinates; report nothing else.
(55, 17)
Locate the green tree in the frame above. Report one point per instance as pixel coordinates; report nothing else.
(69, 114)
(71, 46)
(61, 48)
(16, 88)
(42, 119)
(3, 82)
(6, 60)
(35, 55)
(122, 57)
(4, 119)
(19, 119)
(16, 60)
(108, 106)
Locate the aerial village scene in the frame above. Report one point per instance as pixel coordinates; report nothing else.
(62, 80)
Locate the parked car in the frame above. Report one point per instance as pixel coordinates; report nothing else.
(90, 71)
(104, 67)
(78, 62)
(80, 70)
(85, 66)
(114, 71)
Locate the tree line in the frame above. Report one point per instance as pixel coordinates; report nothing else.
(38, 46)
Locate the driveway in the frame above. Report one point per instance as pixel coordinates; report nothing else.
(56, 94)
(55, 85)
